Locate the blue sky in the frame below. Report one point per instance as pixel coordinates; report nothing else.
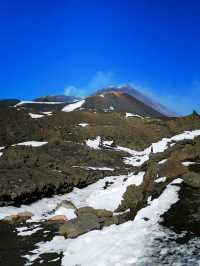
(76, 46)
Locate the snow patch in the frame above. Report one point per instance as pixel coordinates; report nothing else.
(122, 245)
(73, 106)
(107, 143)
(133, 115)
(100, 168)
(83, 124)
(35, 116)
(1, 148)
(94, 144)
(32, 102)
(160, 180)
(27, 231)
(47, 113)
(162, 161)
(139, 157)
(69, 213)
(188, 163)
(111, 197)
(31, 143)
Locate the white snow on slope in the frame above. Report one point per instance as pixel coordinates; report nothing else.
(35, 116)
(188, 163)
(31, 143)
(160, 179)
(133, 115)
(100, 168)
(83, 124)
(94, 143)
(68, 212)
(162, 161)
(139, 157)
(118, 245)
(73, 106)
(111, 197)
(27, 231)
(32, 102)
(1, 153)
(93, 195)
(107, 143)
(47, 113)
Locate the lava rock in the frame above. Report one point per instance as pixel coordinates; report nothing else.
(192, 179)
(19, 217)
(98, 212)
(81, 225)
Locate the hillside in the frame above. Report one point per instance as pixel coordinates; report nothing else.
(119, 102)
(140, 97)
(88, 173)
(123, 99)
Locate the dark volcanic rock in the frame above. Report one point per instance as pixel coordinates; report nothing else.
(57, 98)
(132, 199)
(98, 212)
(5, 103)
(17, 126)
(81, 225)
(19, 217)
(28, 173)
(185, 214)
(192, 179)
(89, 219)
(172, 169)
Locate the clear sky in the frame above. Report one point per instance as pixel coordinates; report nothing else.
(76, 46)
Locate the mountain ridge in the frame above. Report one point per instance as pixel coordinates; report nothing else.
(118, 99)
(139, 96)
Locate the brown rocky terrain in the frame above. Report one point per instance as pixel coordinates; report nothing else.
(65, 161)
(28, 173)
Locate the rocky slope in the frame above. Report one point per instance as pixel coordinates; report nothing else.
(28, 173)
(57, 98)
(127, 89)
(76, 175)
(118, 99)
(119, 102)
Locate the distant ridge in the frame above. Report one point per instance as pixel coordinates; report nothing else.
(110, 99)
(4, 103)
(57, 98)
(139, 96)
(118, 101)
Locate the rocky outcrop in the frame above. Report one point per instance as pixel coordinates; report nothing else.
(192, 179)
(28, 174)
(171, 169)
(58, 218)
(81, 225)
(19, 217)
(89, 219)
(132, 199)
(136, 197)
(98, 212)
